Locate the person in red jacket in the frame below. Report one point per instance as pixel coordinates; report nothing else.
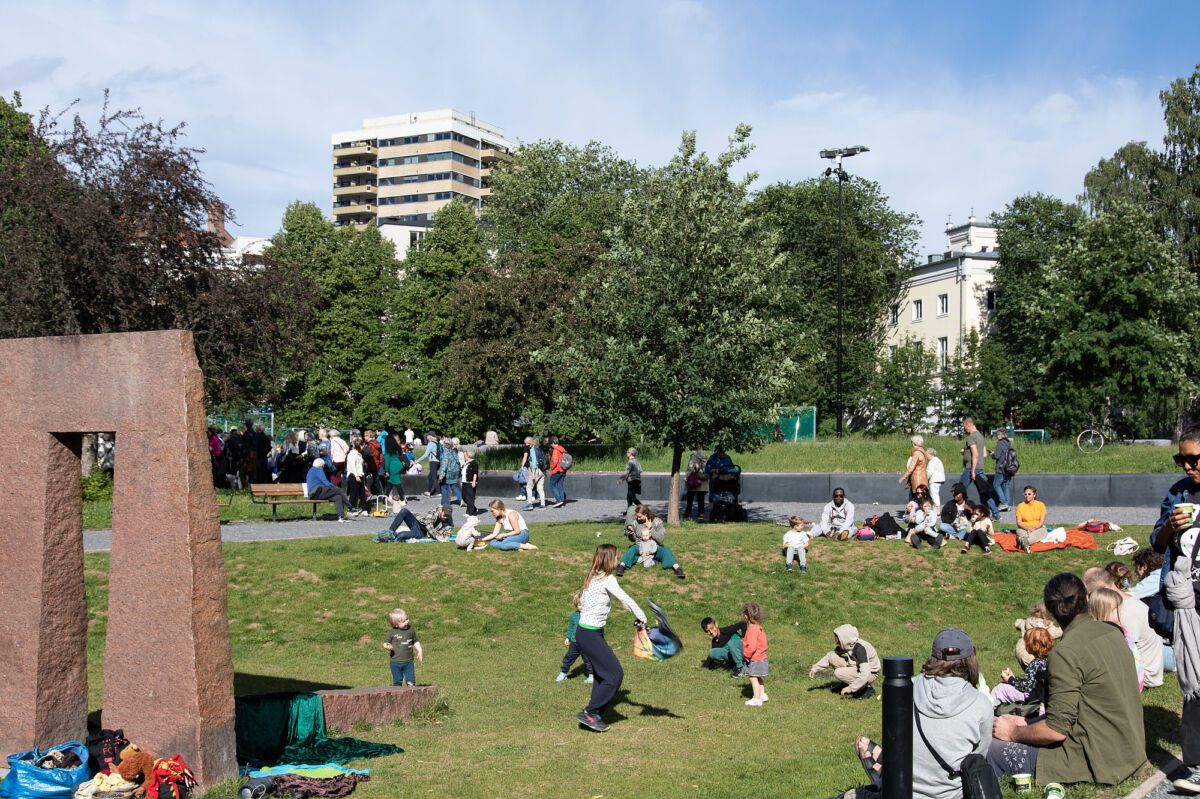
(558, 474)
(754, 652)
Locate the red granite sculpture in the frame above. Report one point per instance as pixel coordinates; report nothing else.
(168, 672)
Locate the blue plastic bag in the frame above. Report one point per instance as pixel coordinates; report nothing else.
(26, 781)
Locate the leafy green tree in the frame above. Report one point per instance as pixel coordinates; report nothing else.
(680, 335)
(972, 384)
(551, 193)
(902, 395)
(1127, 344)
(350, 379)
(879, 252)
(1034, 233)
(422, 325)
(102, 230)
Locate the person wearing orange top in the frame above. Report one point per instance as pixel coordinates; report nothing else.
(1031, 520)
(754, 652)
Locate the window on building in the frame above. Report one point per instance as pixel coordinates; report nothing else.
(415, 236)
(990, 299)
(943, 305)
(943, 352)
(918, 310)
(894, 314)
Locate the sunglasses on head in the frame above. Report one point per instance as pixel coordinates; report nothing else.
(1187, 461)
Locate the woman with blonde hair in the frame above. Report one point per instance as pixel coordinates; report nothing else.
(595, 601)
(915, 472)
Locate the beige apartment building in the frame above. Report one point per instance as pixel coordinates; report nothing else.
(950, 294)
(397, 172)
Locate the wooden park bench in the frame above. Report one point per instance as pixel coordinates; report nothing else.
(276, 494)
(224, 498)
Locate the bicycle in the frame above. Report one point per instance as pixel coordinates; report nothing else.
(1094, 436)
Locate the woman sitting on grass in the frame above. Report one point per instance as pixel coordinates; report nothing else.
(647, 521)
(1031, 520)
(510, 532)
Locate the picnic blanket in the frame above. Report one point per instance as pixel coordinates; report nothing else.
(290, 728)
(1076, 537)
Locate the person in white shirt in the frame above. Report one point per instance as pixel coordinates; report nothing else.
(795, 543)
(935, 472)
(837, 519)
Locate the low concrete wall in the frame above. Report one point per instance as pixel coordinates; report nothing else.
(347, 706)
(1101, 490)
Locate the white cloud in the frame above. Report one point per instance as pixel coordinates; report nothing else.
(263, 86)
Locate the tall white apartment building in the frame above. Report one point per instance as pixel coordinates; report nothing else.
(397, 172)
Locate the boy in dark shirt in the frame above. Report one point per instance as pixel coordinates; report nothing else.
(726, 651)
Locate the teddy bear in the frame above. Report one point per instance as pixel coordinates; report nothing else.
(136, 766)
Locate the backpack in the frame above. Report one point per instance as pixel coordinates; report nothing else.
(543, 459)
(1011, 464)
(978, 779)
(865, 533)
(104, 749)
(566, 461)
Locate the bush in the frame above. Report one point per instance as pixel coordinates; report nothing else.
(97, 486)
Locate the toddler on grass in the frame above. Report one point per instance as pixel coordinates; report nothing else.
(402, 642)
(795, 543)
(573, 650)
(754, 653)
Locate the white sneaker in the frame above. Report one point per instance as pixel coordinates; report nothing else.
(561, 676)
(765, 697)
(754, 702)
(342, 521)
(589, 680)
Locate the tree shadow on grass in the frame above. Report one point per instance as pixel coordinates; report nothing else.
(251, 684)
(622, 698)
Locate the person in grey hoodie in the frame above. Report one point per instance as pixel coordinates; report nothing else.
(950, 714)
(853, 661)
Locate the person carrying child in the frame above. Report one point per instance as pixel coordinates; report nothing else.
(925, 528)
(1032, 687)
(1038, 618)
(754, 653)
(573, 650)
(402, 642)
(854, 662)
(726, 649)
(795, 543)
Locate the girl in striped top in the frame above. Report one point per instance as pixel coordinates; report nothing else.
(595, 601)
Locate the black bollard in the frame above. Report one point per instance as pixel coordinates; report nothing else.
(897, 728)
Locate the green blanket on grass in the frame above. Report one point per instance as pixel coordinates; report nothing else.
(290, 728)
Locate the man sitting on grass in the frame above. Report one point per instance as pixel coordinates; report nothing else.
(726, 650)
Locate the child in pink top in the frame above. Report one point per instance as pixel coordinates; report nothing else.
(754, 651)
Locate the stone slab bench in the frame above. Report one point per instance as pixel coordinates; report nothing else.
(344, 707)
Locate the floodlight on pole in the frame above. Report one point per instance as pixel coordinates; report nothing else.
(836, 154)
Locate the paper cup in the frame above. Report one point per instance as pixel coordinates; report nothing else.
(1055, 791)
(1022, 782)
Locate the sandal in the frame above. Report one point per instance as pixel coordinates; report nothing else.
(871, 756)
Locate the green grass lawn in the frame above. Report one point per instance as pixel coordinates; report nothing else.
(492, 622)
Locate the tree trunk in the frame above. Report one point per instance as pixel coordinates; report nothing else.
(673, 489)
(87, 457)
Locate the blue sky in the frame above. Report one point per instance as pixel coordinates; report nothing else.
(964, 106)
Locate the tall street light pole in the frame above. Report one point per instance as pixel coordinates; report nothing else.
(837, 154)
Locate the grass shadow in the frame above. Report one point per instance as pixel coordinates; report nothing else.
(252, 684)
(1162, 733)
(622, 698)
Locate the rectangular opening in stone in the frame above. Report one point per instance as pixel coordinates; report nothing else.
(97, 472)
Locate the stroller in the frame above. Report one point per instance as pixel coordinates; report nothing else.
(727, 488)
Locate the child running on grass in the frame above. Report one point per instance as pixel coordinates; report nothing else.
(795, 543)
(402, 642)
(573, 650)
(754, 652)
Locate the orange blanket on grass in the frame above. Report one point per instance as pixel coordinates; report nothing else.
(1076, 537)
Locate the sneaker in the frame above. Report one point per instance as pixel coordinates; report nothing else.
(558, 504)
(865, 693)
(343, 520)
(590, 679)
(789, 568)
(519, 496)
(620, 570)
(591, 722)
(1003, 508)
(562, 675)
(679, 573)
(528, 507)
(765, 697)
(736, 674)
(804, 570)
(754, 702)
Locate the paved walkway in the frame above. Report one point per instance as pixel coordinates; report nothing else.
(591, 510)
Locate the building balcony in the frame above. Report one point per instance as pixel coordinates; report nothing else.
(350, 170)
(342, 192)
(354, 148)
(490, 155)
(355, 209)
